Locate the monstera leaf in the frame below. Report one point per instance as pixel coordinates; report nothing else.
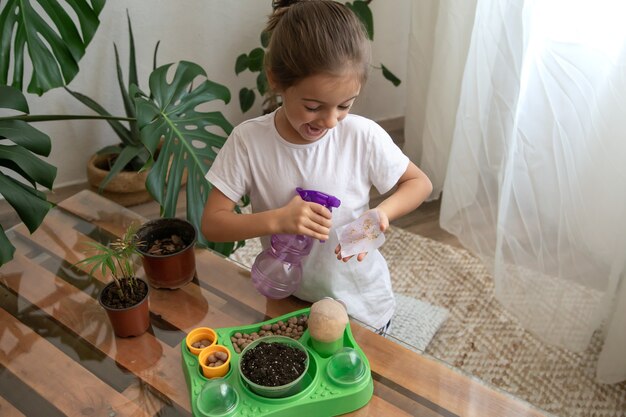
(169, 117)
(55, 43)
(20, 144)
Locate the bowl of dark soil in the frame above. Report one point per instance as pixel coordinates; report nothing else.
(167, 252)
(274, 366)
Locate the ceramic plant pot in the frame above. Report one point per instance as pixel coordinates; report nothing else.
(164, 269)
(127, 321)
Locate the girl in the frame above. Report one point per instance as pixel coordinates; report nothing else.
(317, 60)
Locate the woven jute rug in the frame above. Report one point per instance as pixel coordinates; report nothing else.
(482, 339)
(476, 335)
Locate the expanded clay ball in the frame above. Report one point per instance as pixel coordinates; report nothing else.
(294, 327)
(327, 320)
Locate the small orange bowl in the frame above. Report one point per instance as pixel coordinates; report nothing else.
(214, 371)
(198, 334)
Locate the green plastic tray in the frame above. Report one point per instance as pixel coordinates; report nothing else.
(319, 397)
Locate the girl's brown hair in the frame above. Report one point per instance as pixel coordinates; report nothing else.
(309, 37)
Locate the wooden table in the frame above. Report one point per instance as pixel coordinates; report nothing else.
(58, 355)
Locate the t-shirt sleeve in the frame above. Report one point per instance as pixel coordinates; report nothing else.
(387, 162)
(230, 170)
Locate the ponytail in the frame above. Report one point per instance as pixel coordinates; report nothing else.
(308, 37)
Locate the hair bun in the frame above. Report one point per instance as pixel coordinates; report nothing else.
(277, 4)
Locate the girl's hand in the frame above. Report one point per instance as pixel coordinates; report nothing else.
(384, 225)
(301, 217)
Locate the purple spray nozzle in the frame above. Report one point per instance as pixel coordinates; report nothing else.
(319, 197)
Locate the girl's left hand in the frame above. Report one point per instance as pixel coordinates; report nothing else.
(384, 225)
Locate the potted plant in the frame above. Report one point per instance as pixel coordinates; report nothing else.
(167, 117)
(117, 171)
(125, 299)
(167, 252)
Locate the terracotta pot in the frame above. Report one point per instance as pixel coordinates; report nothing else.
(130, 321)
(127, 188)
(168, 271)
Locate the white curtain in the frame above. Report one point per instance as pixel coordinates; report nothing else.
(526, 137)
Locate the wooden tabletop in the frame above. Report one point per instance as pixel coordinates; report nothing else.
(58, 354)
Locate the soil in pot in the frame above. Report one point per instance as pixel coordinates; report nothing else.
(167, 245)
(111, 294)
(273, 364)
(129, 316)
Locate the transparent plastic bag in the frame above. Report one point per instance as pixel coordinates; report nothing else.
(362, 235)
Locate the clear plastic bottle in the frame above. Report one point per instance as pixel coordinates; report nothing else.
(277, 271)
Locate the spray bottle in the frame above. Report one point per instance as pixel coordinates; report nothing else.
(277, 271)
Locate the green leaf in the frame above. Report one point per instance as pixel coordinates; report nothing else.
(132, 62)
(122, 132)
(124, 157)
(132, 79)
(128, 136)
(154, 56)
(189, 138)
(364, 13)
(23, 134)
(30, 204)
(12, 98)
(390, 76)
(110, 150)
(246, 99)
(118, 257)
(241, 64)
(28, 165)
(265, 39)
(255, 59)
(53, 41)
(225, 248)
(129, 105)
(7, 250)
(261, 83)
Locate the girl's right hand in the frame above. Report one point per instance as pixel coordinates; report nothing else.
(301, 217)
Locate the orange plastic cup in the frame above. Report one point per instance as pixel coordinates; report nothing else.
(214, 371)
(198, 334)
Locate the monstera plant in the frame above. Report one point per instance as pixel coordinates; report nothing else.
(167, 112)
(128, 154)
(54, 56)
(21, 147)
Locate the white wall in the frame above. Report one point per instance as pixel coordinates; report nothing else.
(211, 33)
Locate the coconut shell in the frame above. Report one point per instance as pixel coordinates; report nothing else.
(327, 320)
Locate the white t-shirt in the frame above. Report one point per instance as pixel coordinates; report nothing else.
(351, 158)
